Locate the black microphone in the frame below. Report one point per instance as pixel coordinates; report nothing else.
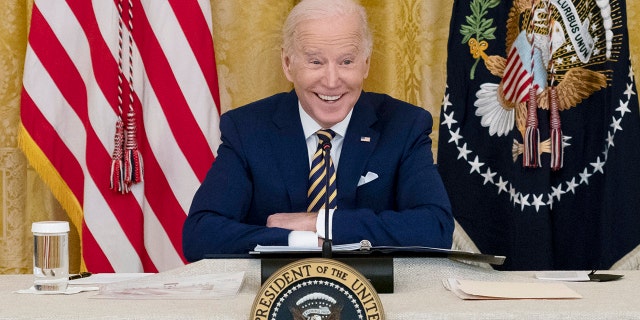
(326, 243)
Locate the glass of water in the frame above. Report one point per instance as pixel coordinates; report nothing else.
(50, 255)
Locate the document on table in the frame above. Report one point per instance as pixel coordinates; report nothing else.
(104, 278)
(563, 275)
(205, 286)
(337, 247)
(365, 247)
(486, 290)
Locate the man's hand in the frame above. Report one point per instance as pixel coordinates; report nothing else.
(299, 221)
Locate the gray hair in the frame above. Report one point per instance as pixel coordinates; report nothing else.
(316, 9)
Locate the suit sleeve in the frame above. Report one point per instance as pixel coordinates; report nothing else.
(421, 211)
(215, 223)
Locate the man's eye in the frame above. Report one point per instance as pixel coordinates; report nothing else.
(315, 62)
(347, 62)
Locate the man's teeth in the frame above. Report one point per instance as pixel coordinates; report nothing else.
(329, 98)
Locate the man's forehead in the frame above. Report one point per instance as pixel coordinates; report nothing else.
(317, 42)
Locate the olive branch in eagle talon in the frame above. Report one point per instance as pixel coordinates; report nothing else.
(478, 29)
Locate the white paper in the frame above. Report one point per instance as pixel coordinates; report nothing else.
(486, 290)
(104, 278)
(338, 247)
(70, 290)
(563, 275)
(205, 286)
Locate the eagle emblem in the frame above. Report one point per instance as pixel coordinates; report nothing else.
(557, 55)
(547, 48)
(316, 306)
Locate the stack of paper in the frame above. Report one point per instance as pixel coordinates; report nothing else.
(204, 286)
(483, 290)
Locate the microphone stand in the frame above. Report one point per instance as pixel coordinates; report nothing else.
(326, 243)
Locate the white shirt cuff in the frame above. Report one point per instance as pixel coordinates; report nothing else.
(320, 224)
(303, 239)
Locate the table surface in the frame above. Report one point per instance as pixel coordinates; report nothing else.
(418, 294)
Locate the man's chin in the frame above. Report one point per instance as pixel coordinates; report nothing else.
(328, 121)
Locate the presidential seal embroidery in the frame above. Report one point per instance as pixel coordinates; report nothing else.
(557, 57)
(317, 289)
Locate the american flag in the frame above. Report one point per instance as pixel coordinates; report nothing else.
(518, 76)
(81, 58)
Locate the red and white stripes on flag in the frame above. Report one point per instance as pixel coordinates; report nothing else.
(524, 68)
(70, 109)
(517, 78)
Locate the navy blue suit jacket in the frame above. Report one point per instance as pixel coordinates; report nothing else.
(262, 168)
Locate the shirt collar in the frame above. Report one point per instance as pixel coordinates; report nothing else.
(310, 126)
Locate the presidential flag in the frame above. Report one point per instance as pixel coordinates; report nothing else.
(120, 116)
(539, 132)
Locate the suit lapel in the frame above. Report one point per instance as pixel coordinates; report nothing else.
(290, 151)
(359, 143)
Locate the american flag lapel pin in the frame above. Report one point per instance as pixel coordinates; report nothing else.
(365, 139)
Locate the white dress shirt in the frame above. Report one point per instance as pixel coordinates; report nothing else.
(310, 127)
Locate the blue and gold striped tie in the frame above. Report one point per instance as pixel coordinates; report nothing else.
(317, 184)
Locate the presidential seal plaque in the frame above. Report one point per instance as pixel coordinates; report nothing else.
(317, 289)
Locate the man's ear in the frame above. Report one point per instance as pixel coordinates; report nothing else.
(368, 63)
(286, 64)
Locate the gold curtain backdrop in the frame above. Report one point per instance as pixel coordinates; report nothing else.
(408, 62)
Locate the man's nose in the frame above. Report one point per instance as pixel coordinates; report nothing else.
(332, 75)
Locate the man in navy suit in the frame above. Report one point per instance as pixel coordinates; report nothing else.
(388, 189)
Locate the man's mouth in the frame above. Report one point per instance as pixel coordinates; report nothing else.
(329, 98)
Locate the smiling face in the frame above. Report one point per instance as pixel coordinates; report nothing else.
(327, 65)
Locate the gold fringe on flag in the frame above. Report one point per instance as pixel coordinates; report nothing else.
(51, 177)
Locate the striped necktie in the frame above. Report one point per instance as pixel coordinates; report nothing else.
(317, 183)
